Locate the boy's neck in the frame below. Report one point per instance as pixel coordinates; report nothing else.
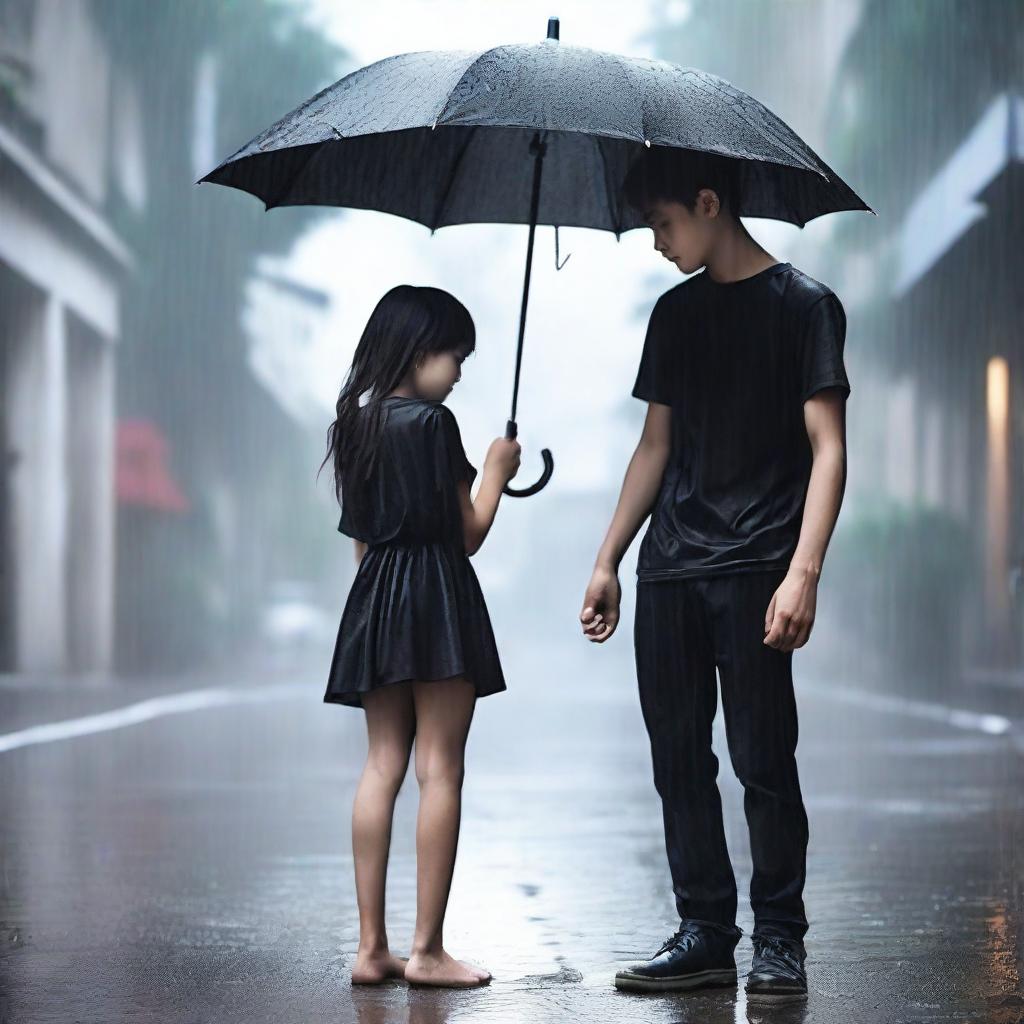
(735, 255)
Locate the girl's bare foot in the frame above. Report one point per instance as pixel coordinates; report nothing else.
(443, 971)
(480, 972)
(375, 968)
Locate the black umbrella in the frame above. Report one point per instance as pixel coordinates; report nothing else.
(441, 138)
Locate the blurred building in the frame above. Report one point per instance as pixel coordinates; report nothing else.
(66, 140)
(285, 320)
(957, 436)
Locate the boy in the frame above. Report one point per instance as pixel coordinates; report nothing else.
(742, 467)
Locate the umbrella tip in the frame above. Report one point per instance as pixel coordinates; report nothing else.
(553, 28)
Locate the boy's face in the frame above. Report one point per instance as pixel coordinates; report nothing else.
(682, 236)
(438, 373)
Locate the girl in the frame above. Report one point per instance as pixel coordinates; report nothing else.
(415, 647)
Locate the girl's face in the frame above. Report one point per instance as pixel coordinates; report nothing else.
(437, 373)
(683, 237)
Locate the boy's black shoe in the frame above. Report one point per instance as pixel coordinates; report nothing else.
(777, 971)
(699, 955)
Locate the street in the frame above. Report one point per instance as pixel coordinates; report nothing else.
(195, 865)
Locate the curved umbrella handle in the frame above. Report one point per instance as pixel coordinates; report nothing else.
(511, 429)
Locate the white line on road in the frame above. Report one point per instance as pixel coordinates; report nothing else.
(197, 700)
(992, 725)
(145, 710)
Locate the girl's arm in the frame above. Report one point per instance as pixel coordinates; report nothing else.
(360, 551)
(501, 464)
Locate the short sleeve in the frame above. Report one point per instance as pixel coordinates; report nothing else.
(824, 336)
(346, 526)
(451, 459)
(655, 376)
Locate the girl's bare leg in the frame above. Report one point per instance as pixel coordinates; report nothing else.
(390, 726)
(444, 710)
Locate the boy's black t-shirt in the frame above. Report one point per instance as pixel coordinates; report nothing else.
(736, 361)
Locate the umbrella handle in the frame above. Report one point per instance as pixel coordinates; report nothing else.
(511, 429)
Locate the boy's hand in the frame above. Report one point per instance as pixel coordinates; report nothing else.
(790, 615)
(600, 613)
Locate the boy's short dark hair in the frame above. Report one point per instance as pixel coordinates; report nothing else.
(669, 174)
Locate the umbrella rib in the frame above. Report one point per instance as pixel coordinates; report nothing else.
(614, 196)
(451, 179)
(455, 88)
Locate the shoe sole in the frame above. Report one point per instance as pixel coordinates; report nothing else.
(628, 982)
(775, 997)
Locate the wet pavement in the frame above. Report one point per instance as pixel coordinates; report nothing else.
(195, 866)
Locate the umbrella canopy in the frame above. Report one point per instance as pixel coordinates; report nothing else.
(439, 137)
(442, 137)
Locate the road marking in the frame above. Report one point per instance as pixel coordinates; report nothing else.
(991, 725)
(197, 700)
(146, 710)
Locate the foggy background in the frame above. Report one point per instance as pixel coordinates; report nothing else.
(170, 355)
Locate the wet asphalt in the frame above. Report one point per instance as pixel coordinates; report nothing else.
(196, 866)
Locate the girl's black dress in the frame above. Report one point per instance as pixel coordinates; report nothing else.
(415, 609)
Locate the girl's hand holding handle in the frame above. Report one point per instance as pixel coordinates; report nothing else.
(500, 465)
(503, 458)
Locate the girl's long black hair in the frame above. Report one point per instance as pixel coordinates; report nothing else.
(408, 321)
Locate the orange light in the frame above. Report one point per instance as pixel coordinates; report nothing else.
(998, 391)
(997, 500)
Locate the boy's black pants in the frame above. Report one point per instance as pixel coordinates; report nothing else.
(683, 629)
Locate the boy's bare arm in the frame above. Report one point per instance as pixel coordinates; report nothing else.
(790, 614)
(600, 614)
(825, 419)
(640, 486)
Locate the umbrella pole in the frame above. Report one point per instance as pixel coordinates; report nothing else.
(538, 147)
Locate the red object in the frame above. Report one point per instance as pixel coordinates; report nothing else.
(142, 476)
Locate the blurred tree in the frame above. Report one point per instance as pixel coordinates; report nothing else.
(905, 571)
(228, 68)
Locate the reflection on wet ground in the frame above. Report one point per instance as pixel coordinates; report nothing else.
(196, 866)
